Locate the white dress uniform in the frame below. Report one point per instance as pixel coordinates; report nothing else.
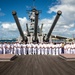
(72, 49)
(18, 49)
(24, 48)
(4, 48)
(50, 49)
(69, 51)
(34, 49)
(65, 49)
(53, 50)
(8, 48)
(60, 49)
(11, 49)
(38, 47)
(57, 50)
(45, 49)
(42, 49)
(15, 48)
(0, 48)
(29, 49)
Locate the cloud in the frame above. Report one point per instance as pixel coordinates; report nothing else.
(10, 30)
(66, 23)
(13, 26)
(23, 22)
(9, 26)
(46, 24)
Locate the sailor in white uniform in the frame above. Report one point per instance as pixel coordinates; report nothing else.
(38, 48)
(69, 50)
(15, 48)
(45, 49)
(4, 48)
(60, 49)
(23, 45)
(53, 49)
(29, 49)
(42, 49)
(11, 48)
(7, 48)
(34, 49)
(18, 48)
(57, 50)
(72, 49)
(50, 49)
(65, 49)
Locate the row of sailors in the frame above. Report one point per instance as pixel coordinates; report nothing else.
(30, 49)
(39, 49)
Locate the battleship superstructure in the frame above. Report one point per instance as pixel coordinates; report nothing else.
(34, 33)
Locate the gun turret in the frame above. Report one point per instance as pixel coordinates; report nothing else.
(53, 25)
(18, 25)
(36, 25)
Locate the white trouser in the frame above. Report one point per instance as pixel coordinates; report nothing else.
(29, 51)
(11, 51)
(68, 52)
(45, 51)
(53, 51)
(15, 50)
(42, 51)
(24, 51)
(50, 51)
(19, 51)
(60, 49)
(72, 51)
(4, 51)
(34, 51)
(38, 51)
(57, 51)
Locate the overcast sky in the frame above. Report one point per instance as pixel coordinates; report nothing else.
(64, 27)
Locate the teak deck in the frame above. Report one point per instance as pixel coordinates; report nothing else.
(38, 65)
(7, 57)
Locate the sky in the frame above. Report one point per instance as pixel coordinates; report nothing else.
(64, 27)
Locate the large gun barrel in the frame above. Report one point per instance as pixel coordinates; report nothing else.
(18, 25)
(41, 28)
(36, 25)
(53, 25)
(27, 30)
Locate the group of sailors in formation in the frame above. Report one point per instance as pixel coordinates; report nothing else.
(36, 49)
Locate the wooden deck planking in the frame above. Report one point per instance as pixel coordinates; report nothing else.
(37, 65)
(67, 57)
